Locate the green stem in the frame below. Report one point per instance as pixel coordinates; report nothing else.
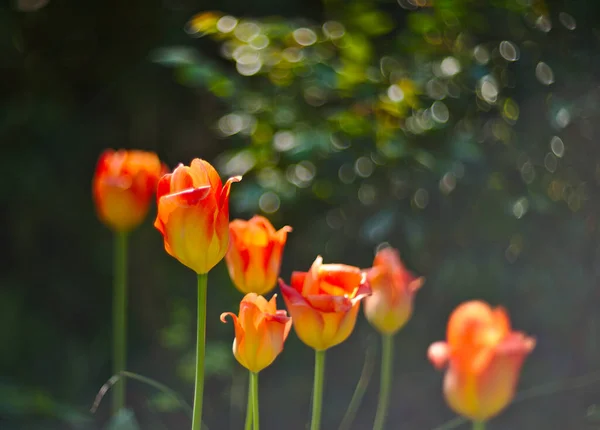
(254, 391)
(361, 388)
(478, 425)
(248, 425)
(318, 390)
(200, 348)
(119, 318)
(387, 354)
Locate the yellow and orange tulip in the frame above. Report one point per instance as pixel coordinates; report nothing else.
(123, 186)
(193, 215)
(390, 306)
(484, 359)
(324, 302)
(254, 255)
(260, 331)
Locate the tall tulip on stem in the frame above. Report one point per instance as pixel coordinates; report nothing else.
(388, 309)
(193, 217)
(260, 332)
(324, 303)
(253, 261)
(123, 186)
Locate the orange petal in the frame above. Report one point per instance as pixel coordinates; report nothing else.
(205, 174)
(297, 280)
(224, 195)
(343, 275)
(224, 316)
(164, 186)
(328, 303)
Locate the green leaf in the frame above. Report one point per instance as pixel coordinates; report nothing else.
(374, 22)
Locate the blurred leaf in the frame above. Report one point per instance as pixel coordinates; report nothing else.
(164, 402)
(124, 420)
(422, 22)
(372, 22)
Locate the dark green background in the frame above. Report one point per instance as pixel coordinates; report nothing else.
(77, 77)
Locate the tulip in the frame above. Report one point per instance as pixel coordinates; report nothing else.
(390, 305)
(260, 332)
(484, 358)
(123, 186)
(193, 215)
(388, 309)
(254, 255)
(323, 303)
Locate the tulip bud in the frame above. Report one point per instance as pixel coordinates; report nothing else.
(324, 302)
(193, 215)
(390, 305)
(484, 358)
(123, 186)
(254, 255)
(260, 331)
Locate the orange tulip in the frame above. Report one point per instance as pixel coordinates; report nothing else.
(484, 358)
(324, 302)
(123, 186)
(254, 256)
(260, 331)
(390, 305)
(193, 215)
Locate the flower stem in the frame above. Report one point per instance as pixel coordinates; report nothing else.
(248, 425)
(387, 354)
(318, 390)
(119, 318)
(478, 425)
(254, 391)
(200, 348)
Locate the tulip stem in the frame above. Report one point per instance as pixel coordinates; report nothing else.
(387, 355)
(119, 317)
(254, 396)
(478, 425)
(200, 348)
(318, 390)
(248, 425)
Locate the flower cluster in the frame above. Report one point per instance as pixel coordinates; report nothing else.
(482, 354)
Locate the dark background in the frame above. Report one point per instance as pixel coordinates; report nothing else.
(483, 205)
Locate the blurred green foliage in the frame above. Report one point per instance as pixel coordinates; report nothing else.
(463, 132)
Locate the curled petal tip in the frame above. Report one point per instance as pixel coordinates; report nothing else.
(415, 285)
(224, 316)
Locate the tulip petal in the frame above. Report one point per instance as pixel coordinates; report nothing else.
(297, 280)
(164, 186)
(439, 354)
(308, 323)
(328, 303)
(205, 174)
(223, 197)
